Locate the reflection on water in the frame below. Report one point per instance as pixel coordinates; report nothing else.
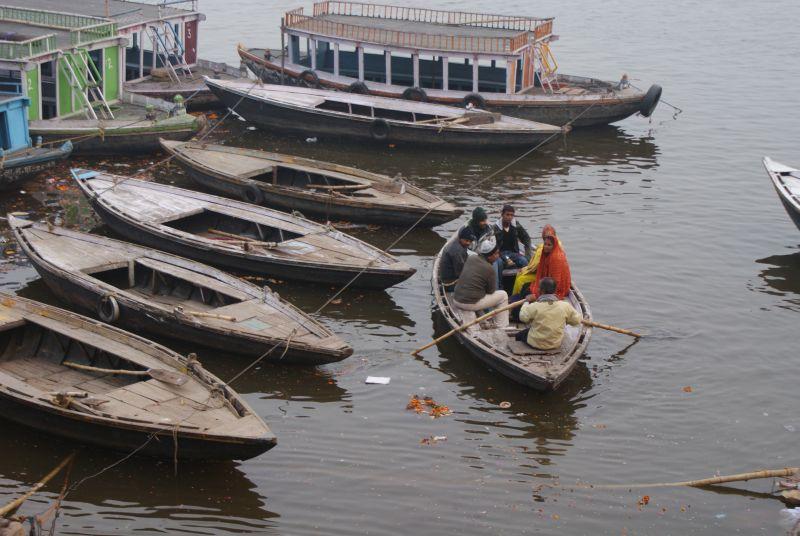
(782, 278)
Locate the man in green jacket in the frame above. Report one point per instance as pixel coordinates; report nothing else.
(547, 317)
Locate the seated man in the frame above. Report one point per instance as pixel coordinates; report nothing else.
(476, 289)
(454, 256)
(513, 240)
(546, 317)
(479, 224)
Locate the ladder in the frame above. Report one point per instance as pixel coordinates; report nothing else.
(167, 45)
(547, 61)
(84, 79)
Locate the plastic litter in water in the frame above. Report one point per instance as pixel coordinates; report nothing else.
(789, 428)
(311, 140)
(381, 380)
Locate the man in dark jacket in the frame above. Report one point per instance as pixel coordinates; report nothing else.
(512, 239)
(477, 290)
(454, 256)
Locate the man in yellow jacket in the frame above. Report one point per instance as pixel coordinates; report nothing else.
(547, 317)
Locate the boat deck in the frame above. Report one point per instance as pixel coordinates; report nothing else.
(422, 27)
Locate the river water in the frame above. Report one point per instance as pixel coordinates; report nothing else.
(671, 227)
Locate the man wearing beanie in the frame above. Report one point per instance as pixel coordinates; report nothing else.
(476, 289)
(454, 256)
(479, 223)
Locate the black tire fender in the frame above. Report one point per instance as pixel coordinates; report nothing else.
(108, 309)
(358, 87)
(650, 100)
(379, 129)
(475, 99)
(252, 194)
(415, 94)
(309, 78)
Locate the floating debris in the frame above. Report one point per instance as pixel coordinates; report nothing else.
(421, 405)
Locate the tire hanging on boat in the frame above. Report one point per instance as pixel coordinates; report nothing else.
(475, 99)
(309, 78)
(358, 87)
(415, 94)
(108, 309)
(650, 100)
(379, 129)
(252, 194)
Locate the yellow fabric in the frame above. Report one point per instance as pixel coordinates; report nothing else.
(547, 320)
(527, 275)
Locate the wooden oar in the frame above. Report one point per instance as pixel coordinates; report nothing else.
(162, 375)
(462, 327)
(16, 503)
(610, 328)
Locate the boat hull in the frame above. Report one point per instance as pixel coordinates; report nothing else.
(538, 108)
(271, 116)
(283, 200)
(128, 436)
(373, 279)
(139, 141)
(17, 169)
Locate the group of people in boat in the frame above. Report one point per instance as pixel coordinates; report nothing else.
(472, 267)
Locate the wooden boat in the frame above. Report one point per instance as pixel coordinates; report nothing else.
(314, 188)
(319, 112)
(44, 384)
(787, 183)
(538, 369)
(21, 165)
(499, 62)
(236, 235)
(135, 128)
(189, 84)
(142, 289)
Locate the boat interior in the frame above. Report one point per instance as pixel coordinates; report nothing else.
(225, 228)
(168, 285)
(32, 358)
(307, 178)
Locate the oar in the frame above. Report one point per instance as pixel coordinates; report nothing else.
(610, 328)
(462, 327)
(162, 375)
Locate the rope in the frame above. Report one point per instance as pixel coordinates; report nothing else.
(436, 205)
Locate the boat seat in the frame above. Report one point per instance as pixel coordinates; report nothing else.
(522, 348)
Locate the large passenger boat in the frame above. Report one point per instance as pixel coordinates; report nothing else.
(503, 63)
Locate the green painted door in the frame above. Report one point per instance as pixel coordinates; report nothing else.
(64, 89)
(111, 73)
(34, 88)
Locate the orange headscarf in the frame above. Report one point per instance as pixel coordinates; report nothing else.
(553, 265)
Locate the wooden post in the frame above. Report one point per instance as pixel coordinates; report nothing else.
(445, 73)
(511, 76)
(388, 55)
(415, 62)
(312, 51)
(336, 59)
(475, 74)
(360, 51)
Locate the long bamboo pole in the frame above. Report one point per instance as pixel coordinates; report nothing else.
(610, 328)
(741, 477)
(16, 503)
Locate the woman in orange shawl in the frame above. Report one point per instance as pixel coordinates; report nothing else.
(553, 264)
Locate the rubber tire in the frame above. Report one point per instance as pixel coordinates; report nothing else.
(252, 194)
(358, 87)
(650, 100)
(416, 94)
(476, 99)
(108, 309)
(379, 129)
(308, 78)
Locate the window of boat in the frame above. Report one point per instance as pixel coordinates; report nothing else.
(162, 286)
(430, 72)
(374, 65)
(491, 76)
(227, 229)
(459, 71)
(402, 69)
(305, 53)
(348, 61)
(325, 56)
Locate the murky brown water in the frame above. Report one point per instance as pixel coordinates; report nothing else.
(671, 227)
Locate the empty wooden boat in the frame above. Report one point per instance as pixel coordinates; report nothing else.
(787, 183)
(236, 235)
(142, 289)
(83, 380)
(538, 369)
(319, 189)
(319, 112)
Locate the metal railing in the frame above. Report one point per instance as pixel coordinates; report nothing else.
(435, 16)
(404, 39)
(15, 50)
(50, 19)
(95, 32)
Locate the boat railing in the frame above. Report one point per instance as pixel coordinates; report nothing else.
(93, 32)
(14, 50)
(48, 19)
(435, 16)
(406, 39)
